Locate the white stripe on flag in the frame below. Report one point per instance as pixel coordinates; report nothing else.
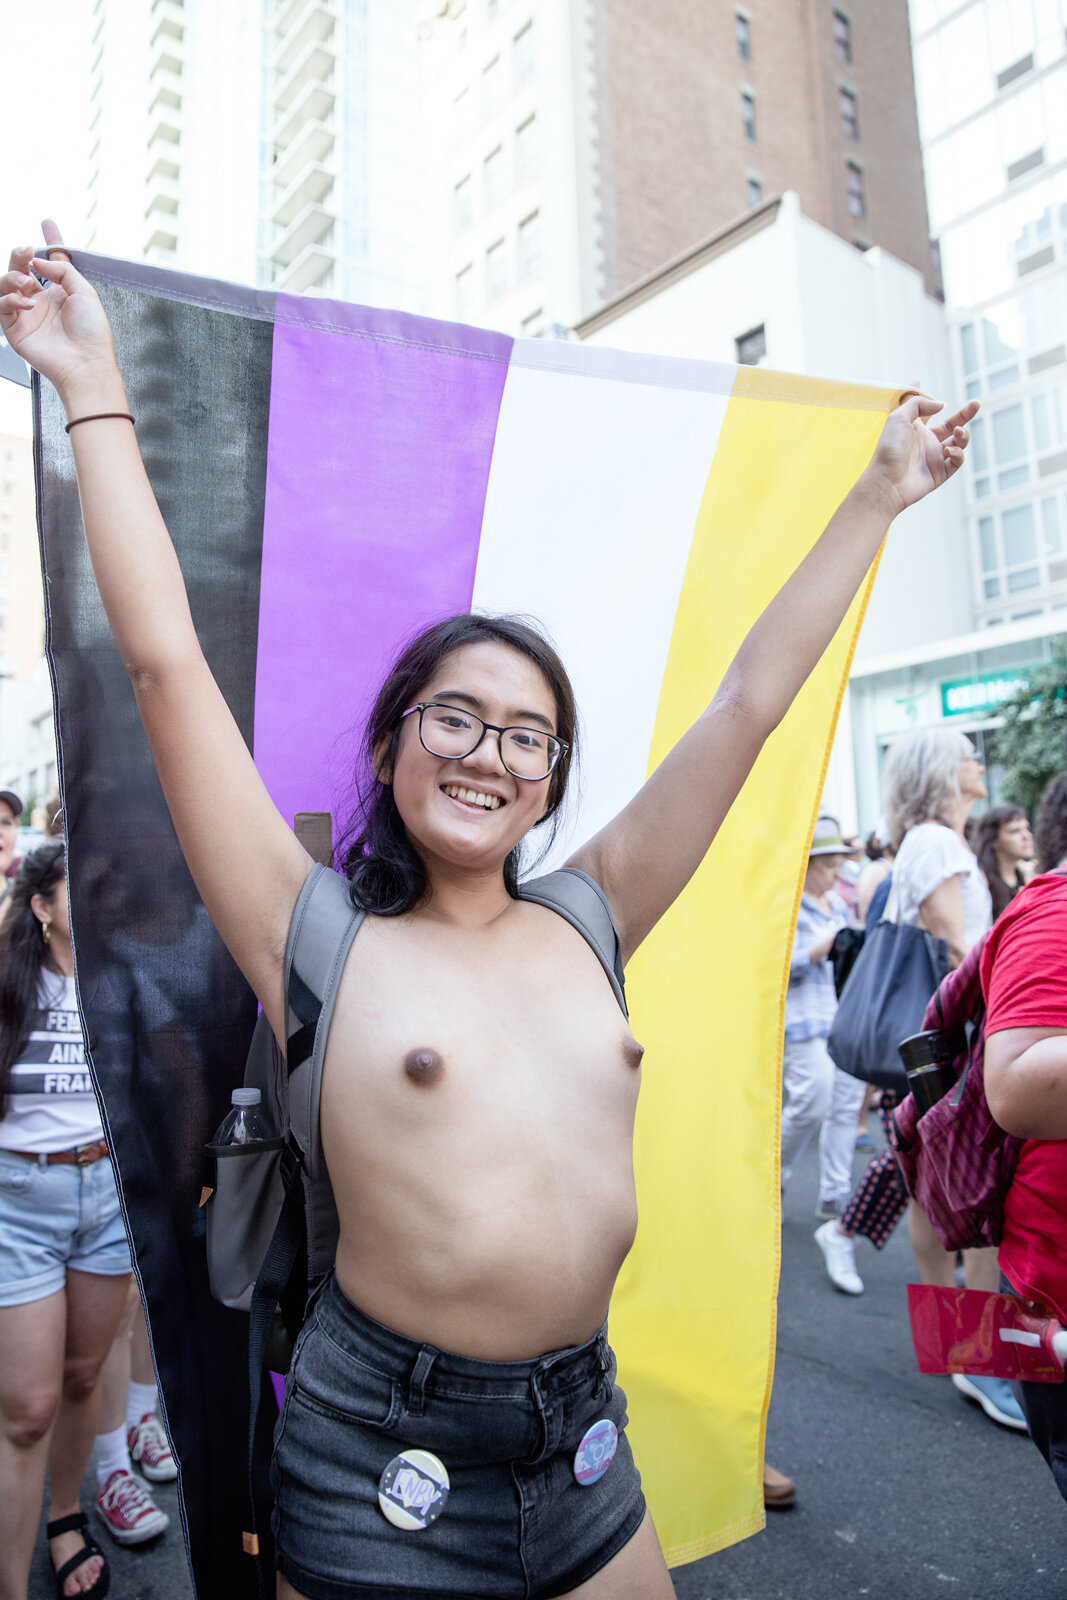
(593, 495)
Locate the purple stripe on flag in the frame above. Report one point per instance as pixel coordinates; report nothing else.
(381, 434)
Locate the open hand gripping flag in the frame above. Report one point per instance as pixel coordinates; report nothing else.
(334, 478)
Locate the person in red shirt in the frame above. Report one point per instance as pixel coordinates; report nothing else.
(1024, 978)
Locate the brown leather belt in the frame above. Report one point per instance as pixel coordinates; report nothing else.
(81, 1157)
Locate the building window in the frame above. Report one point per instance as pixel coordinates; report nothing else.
(752, 346)
(755, 191)
(748, 116)
(857, 199)
(493, 177)
(523, 55)
(496, 271)
(532, 323)
(842, 37)
(743, 34)
(850, 121)
(526, 150)
(492, 10)
(529, 256)
(464, 290)
(463, 204)
(492, 87)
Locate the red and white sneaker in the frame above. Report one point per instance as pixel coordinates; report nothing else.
(150, 1451)
(128, 1511)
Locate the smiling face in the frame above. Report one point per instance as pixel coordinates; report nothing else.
(470, 812)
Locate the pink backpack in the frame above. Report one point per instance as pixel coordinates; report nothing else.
(955, 1161)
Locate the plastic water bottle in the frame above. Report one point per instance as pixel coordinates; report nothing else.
(246, 1122)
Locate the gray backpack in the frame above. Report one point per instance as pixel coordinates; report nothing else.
(271, 1218)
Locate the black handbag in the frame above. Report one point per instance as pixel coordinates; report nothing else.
(887, 992)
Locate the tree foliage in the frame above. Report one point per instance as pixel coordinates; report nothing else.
(1031, 743)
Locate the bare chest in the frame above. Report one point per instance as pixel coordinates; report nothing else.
(497, 1030)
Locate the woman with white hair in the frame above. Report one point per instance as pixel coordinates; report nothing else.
(931, 780)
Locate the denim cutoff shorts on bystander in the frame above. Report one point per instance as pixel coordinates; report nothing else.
(53, 1218)
(516, 1521)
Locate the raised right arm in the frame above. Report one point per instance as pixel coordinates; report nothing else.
(245, 861)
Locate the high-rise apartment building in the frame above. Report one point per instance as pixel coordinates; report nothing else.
(274, 142)
(580, 144)
(175, 133)
(992, 90)
(344, 209)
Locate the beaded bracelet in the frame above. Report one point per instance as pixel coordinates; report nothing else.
(99, 416)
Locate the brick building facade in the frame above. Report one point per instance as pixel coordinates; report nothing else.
(705, 107)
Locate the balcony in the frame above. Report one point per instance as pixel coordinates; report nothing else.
(303, 273)
(309, 228)
(313, 26)
(165, 131)
(165, 97)
(312, 186)
(161, 206)
(314, 66)
(162, 240)
(314, 105)
(166, 65)
(287, 16)
(164, 169)
(170, 27)
(314, 143)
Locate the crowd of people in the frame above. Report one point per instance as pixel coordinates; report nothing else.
(972, 885)
(460, 1275)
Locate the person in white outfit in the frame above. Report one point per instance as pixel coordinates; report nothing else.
(932, 779)
(818, 1095)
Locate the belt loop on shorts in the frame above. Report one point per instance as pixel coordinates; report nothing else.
(416, 1397)
(549, 1408)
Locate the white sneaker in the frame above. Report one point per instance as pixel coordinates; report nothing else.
(839, 1253)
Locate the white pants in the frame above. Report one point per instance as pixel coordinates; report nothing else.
(819, 1095)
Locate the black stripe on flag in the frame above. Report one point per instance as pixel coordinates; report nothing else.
(168, 1017)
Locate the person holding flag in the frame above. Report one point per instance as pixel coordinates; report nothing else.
(480, 1086)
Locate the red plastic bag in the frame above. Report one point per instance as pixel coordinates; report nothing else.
(986, 1335)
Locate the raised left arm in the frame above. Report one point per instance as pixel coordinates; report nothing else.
(644, 857)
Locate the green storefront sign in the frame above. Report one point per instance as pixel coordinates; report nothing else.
(985, 692)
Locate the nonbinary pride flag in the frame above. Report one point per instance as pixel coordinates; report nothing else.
(335, 477)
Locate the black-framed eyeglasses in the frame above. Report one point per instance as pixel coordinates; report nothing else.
(452, 732)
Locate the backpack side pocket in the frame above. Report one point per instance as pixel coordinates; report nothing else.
(242, 1212)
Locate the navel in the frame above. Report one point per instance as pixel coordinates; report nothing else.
(423, 1065)
(633, 1053)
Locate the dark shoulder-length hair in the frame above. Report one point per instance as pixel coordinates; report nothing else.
(386, 873)
(23, 951)
(1050, 829)
(986, 833)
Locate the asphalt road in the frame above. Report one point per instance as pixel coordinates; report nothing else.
(906, 1491)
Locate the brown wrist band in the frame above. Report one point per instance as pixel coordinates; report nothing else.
(99, 416)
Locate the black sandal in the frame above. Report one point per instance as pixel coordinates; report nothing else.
(78, 1522)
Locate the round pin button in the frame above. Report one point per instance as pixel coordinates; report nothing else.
(596, 1452)
(413, 1490)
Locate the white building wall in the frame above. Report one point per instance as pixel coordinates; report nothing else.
(830, 311)
(511, 97)
(991, 82)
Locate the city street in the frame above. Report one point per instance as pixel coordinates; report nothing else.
(906, 1491)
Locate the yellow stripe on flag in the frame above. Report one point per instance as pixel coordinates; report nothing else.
(693, 1317)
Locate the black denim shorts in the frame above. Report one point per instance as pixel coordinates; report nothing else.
(516, 1522)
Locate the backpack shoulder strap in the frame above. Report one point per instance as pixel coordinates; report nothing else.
(323, 926)
(580, 900)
